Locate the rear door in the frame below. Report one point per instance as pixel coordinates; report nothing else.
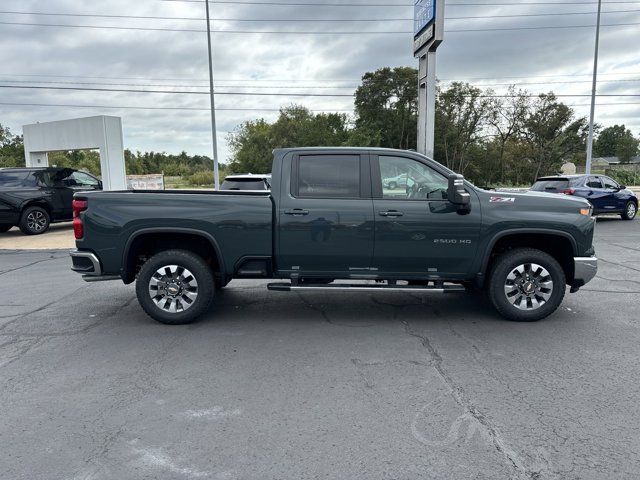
(418, 232)
(326, 216)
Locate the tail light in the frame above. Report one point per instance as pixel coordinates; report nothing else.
(78, 227)
(569, 191)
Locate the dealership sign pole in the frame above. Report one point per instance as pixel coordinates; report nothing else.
(428, 33)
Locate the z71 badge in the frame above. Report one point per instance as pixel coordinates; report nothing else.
(502, 200)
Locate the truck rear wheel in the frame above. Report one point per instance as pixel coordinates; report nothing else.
(526, 285)
(175, 287)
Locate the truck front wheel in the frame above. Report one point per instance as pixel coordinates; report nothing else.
(175, 287)
(526, 285)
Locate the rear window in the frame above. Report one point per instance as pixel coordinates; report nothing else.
(329, 176)
(553, 185)
(13, 179)
(243, 184)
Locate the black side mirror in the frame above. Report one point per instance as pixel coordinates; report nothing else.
(622, 187)
(456, 192)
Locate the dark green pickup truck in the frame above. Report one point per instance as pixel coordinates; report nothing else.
(339, 218)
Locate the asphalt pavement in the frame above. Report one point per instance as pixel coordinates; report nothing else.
(274, 385)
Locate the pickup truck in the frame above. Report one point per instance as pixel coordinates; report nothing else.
(332, 222)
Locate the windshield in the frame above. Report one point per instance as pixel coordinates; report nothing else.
(243, 184)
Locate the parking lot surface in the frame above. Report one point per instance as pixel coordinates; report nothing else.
(344, 386)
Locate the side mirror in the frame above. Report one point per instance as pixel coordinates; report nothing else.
(99, 187)
(456, 192)
(622, 187)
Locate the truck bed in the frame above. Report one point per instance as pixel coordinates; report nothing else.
(237, 223)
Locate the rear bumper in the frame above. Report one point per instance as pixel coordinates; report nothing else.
(585, 268)
(88, 264)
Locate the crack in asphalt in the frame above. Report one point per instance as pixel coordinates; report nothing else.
(619, 264)
(325, 316)
(31, 264)
(458, 394)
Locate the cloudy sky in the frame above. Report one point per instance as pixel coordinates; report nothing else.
(489, 43)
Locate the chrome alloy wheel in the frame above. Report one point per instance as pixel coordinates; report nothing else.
(173, 288)
(631, 210)
(36, 221)
(528, 287)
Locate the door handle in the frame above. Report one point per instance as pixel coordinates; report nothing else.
(296, 211)
(391, 213)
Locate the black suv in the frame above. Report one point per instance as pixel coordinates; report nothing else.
(33, 198)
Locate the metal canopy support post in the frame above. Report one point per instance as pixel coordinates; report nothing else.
(216, 174)
(428, 35)
(593, 94)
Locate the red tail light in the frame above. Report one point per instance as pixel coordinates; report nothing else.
(569, 191)
(78, 227)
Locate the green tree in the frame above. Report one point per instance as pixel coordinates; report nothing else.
(253, 142)
(11, 149)
(553, 134)
(386, 108)
(462, 115)
(616, 141)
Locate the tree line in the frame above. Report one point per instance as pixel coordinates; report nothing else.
(492, 139)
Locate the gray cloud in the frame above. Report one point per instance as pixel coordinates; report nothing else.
(251, 59)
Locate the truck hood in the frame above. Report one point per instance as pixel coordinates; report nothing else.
(536, 200)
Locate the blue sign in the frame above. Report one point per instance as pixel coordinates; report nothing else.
(424, 12)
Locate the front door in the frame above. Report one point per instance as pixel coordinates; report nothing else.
(326, 219)
(418, 232)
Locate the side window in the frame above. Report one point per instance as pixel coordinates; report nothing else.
(329, 176)
(406, 179)
(594, 182)
(608, 183)
(12, 179)
(82, 179)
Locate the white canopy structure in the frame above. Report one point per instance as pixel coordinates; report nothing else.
(100, 132)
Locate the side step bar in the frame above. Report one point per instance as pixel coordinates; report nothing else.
(288, 287)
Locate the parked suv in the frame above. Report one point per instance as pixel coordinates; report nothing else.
(605, 194)
(248, 181)
(33, 198)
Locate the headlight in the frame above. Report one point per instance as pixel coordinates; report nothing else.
(587, 211)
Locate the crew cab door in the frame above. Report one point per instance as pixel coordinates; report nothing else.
(418, 232)
(325, 215)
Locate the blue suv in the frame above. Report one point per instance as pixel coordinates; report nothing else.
(606, 195)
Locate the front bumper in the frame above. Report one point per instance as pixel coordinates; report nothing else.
(585, 268)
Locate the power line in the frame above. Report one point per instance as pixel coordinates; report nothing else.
(408, 5)
(129, 107)
(269, 94)
(289, 87)
(334, 80)
(266, 32)
(249, 20)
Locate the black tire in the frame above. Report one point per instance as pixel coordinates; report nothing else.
(184, 260)
(393, 185)
(5, 228)
(505, 264)
(630, 210)
(34, 221)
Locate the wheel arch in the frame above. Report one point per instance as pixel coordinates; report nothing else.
(153, 240)
(563, 246)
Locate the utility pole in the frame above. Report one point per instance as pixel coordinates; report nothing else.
(593, 93)
(216, 173)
